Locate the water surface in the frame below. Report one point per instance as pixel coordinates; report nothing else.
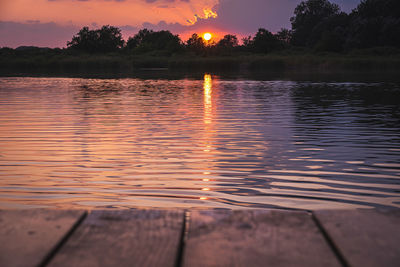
(203, 143)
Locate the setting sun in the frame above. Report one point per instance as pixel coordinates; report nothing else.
(207, 36)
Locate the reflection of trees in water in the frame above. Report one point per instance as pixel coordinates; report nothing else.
(93, 89)
(350, 122)
(362, 104)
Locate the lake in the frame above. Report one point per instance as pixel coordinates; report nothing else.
(199, 142)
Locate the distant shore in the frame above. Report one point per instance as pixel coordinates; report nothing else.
(282, 61)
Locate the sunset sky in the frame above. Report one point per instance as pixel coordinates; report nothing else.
(52, 23)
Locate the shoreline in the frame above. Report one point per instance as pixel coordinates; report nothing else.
(257, 62)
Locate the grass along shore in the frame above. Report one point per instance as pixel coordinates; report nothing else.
(274, 61)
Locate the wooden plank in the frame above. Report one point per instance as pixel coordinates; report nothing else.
(364, 237)
(124, 238)
(255, 238)
(28, 236)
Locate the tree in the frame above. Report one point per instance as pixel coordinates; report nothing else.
(330, 34)
(228, 43)
(264, 42)
(138, 39)
(106, 39)
(285, 36)
(85, 40)
(376, 8)
(109, 39)
(247, 43)
(375, 23)
(307, 15)
(147, 40)
(196, 44)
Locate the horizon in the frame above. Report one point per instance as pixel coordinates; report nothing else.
(36, 27)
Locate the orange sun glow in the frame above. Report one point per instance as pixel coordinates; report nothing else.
(207, 36)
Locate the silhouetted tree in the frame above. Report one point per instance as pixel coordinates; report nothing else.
(147, 40)
(307, 15)
(85, 40)
(106, 39)
(330, 34)
(246, 43)
(285, 36)
(227, 44)
(109, 39)
(139, 38)
(375, 23)
(196, 44)
(264, 42)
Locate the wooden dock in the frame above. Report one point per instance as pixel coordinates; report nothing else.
(30, 238)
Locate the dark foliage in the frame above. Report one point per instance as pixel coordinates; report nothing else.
(196, 44)
(106, 39)
(284, 36)
(330, 34)
(321, 25)
(375, 23)
(147, 40)
(264, 42)
(227, 45)
(228, 42)
(308, 15)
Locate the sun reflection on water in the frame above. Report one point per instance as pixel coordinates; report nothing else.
(207, 98)
(208, 119)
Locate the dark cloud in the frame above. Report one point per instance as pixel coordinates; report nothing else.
(128, 31)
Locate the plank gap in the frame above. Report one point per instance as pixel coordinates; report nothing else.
(183, 237)
(63, 240)
(330, 242)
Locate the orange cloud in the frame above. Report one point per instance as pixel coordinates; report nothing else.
(207, 13)
(115, 12)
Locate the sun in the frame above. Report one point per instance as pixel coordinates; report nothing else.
(207, 36)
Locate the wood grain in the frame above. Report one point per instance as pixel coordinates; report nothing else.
(28, 236)
(255, 238)
(365, 238)
(124, 238)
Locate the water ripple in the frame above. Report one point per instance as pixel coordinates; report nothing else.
(212, 143)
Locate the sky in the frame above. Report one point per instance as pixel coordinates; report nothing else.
(51, 23)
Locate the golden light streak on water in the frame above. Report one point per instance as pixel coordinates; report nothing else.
(207, 86)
